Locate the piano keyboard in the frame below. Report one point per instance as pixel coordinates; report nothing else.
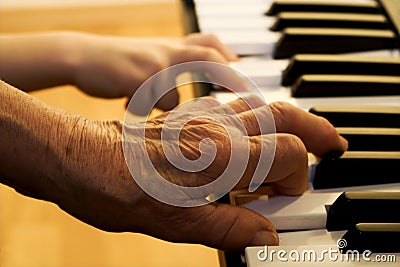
(256, 39)
(340, 59)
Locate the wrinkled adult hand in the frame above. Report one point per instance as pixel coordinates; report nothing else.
(106, 195)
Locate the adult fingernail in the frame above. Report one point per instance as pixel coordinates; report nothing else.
(265, 238)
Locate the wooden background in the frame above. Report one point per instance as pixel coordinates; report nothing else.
(38, 234)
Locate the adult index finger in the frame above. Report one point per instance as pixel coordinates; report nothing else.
(318, 135)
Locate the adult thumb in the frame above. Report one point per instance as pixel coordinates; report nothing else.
(233, 228)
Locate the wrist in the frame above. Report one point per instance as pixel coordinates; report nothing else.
(95, 176)
(68, 55)
(32, 134)
(85, 148)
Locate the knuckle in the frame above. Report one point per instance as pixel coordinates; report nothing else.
(192, 38)
(292, 149)
(281, 112)
(205, 53)
(157, 64)
(282, 106)
(212, 38)
(152, 63)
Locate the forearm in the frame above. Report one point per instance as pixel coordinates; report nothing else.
(36, 61)
(66, 159)
(34, 143)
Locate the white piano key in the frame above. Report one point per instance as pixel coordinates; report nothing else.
(284, 94)
(249, 42)
(247, 2)
(295, 212)
(215, 24)
(310, 237)
(230, 10)
(262, 72)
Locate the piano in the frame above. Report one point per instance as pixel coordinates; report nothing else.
(339, 59)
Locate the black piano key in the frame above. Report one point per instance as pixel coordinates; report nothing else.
(329, 20)
(337, 64)
(332, 40)
(371, 139)
(321, 85)
(375, 237)
(344, 116)
(357, 168)
(355, 207)
(279, 6)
